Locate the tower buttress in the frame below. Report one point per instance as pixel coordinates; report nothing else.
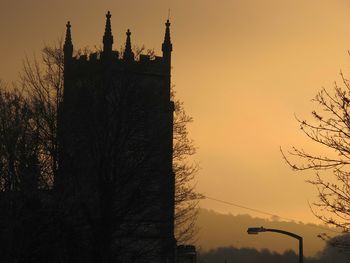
(128, 54)
(108, 37)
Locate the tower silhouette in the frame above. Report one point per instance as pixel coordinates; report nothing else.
(116, 146)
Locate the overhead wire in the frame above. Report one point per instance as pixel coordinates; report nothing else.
(267, 213)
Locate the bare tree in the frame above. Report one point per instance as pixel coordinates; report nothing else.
(185, 169)
(18, 143)
(20, 177)
(330, 129)
(42, 82)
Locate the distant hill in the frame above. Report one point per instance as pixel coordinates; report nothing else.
(225, 230)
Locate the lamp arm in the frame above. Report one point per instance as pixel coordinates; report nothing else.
(283, 232)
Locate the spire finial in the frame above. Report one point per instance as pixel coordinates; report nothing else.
(68, 45)
(128, 54)
(167, 47)
(107, 37)
(68, 33)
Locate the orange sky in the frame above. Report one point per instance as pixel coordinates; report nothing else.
(242, 67)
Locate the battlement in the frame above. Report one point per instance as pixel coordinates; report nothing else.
(144, 63)
(109, 57)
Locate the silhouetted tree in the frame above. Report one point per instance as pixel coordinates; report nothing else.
(21, 215)
(186, 197)
(336, 250)
(329, 128)
(18, 143)
(42, 82)
(249, 255)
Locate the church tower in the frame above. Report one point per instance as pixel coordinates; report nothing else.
(116, 137)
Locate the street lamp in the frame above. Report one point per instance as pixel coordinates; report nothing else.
(256, 230)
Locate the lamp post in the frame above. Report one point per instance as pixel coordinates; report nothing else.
(256, 230)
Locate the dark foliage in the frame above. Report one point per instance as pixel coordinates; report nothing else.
(249, 255)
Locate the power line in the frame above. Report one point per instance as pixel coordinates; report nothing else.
(241, 206)
(267, 213)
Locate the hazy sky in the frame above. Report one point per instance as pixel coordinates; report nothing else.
(242, 67)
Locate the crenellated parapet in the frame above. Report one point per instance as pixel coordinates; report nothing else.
(113, 59)
(94, 61)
